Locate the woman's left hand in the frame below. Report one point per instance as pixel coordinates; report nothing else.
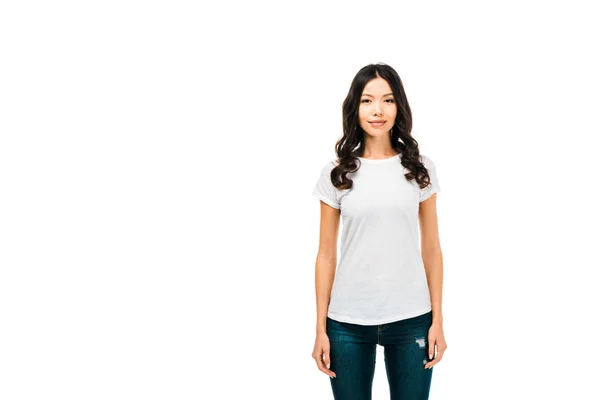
(436, 338)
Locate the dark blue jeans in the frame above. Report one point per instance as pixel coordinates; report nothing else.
(352, 357)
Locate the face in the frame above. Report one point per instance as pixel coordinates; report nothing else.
(377, 104)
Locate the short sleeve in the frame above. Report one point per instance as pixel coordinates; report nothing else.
(324, 189)
(435, 184)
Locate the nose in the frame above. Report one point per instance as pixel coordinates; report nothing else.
(377, 109)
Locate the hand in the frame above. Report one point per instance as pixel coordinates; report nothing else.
(321, 354)
(436, 338)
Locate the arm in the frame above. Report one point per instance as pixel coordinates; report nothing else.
(326, 261)
(432, 254)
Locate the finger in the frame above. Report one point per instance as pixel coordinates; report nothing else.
(438, 358)
(322, 367)
(320, 364)
(327, 363)
(431, 349)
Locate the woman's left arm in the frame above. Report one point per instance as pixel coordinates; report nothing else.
(431, 253)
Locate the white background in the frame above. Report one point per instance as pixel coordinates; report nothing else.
(158, 233)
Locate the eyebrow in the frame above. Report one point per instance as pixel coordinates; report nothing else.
(366, 94)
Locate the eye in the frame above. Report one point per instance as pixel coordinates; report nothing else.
(389, 100)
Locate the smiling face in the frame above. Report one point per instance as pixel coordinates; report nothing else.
(377, 103)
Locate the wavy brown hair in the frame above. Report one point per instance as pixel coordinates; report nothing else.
(352, 144)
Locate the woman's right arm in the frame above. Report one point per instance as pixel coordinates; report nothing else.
(326, 261)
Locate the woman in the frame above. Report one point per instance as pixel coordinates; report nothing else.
(387, 289)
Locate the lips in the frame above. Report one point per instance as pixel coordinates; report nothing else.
(377, 124)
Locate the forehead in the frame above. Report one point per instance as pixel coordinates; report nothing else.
(378, 87)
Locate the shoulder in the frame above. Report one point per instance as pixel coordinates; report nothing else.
(326, 169)
(427, 161)
(425, 158)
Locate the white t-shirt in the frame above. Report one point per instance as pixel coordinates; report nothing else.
(380, 276)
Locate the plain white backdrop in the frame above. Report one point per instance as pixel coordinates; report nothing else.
(158, 233)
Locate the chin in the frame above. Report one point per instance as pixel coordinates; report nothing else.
(383, 131)
(379, 132)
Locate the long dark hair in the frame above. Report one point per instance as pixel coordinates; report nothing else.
(351, 145)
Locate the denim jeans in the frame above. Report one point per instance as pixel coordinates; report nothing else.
(352, 358)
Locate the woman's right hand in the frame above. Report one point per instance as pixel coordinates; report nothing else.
(321, 354)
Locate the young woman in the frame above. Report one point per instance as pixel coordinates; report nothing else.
(387, 290)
